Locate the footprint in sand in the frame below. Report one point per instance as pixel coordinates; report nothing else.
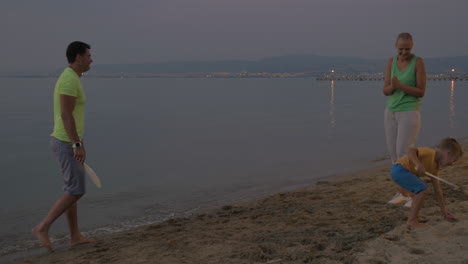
(416, 251)
(320, 246)
(392, 237)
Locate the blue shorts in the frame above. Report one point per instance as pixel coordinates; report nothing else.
(406, 179)
(72, 171)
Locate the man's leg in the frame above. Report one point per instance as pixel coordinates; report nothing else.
(76, 237)
(41, 231)
(403, 191)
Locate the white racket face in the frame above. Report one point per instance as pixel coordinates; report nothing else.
(92, 175)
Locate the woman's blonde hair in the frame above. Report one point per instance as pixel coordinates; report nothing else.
(405, 36)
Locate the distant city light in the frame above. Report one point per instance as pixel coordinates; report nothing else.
(334, 70)
(453, 70)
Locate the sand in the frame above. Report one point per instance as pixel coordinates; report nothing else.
(341, 220)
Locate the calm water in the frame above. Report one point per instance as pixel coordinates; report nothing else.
(168, 147)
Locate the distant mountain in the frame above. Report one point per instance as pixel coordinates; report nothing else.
(312, 64)
(445, 64)
(286, 64)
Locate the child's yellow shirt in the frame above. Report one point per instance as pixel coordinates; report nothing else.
(426, 156)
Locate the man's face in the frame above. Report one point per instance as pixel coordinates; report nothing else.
(85, 60)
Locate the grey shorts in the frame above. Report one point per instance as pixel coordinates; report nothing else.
(72, 171)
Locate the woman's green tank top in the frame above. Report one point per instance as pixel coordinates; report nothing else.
(400, 101)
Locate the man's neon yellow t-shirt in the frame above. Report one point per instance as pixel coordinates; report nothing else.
(68, 84)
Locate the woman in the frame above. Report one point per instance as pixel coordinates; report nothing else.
(404, 85)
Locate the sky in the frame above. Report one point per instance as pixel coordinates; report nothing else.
(35, 33)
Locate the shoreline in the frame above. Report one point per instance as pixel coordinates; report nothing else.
(25, 245)
(339, 219)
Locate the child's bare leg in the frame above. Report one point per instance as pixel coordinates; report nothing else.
(41, 231)
(418, 201)
(76, 237)
(405, 192)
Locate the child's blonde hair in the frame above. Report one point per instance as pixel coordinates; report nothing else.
(452, 145)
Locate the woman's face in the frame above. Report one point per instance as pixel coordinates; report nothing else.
(404, 48)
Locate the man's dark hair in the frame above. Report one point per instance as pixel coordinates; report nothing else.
(75, 48)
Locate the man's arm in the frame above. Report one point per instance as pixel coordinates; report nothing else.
(67, 105)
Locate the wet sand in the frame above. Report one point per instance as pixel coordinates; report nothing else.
(341, 220)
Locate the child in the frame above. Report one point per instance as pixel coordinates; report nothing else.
(407, 170)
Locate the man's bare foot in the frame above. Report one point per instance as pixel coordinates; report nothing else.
(43, 237)
(415, 224)
(81, 240)
(422, 219)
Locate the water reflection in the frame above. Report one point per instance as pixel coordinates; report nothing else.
(452, 105)
(331, 112)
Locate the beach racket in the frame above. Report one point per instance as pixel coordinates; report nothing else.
(442, 180)
(92, 175)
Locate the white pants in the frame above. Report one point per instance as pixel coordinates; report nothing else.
(401, 131)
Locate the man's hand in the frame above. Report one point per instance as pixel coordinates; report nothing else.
(79, 154)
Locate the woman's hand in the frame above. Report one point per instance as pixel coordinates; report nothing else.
(395, 82)
(388, 90)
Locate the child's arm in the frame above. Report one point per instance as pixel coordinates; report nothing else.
(440, 197)
(413, 156)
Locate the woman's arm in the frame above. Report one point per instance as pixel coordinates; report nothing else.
(388, 87)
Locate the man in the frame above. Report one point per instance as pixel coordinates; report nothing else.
(67, 144)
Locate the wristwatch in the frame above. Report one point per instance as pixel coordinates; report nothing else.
(77, 145)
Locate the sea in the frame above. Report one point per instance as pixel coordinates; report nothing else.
(174, 147)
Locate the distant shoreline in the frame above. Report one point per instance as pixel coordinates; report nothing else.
(262, 75)
(284, 66)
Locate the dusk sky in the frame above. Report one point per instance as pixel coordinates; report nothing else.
(35, 33)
